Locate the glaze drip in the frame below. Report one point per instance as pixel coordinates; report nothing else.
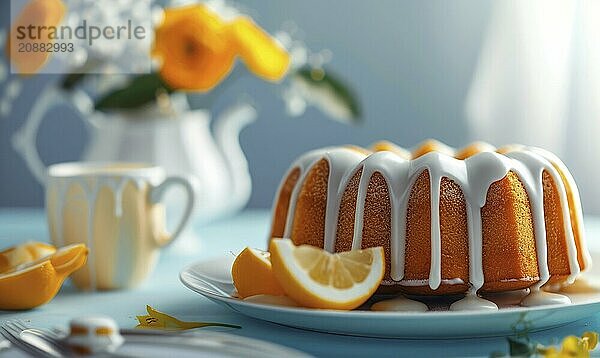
(473, 302)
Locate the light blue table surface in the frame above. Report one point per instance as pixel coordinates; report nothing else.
(163, 291)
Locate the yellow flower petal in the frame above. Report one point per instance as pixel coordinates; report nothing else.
(548, 352)
(592, 339)
(260, 52)
(37, 13)
(162, 321)
(573, 347)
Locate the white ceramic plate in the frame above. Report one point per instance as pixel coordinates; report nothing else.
(212, 279)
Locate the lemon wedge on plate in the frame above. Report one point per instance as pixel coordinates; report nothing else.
(35, 283)
(318, 279)
(253, 275)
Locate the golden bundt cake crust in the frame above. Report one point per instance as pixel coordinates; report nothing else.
(508, 242)
(509, 252)
(282, 204)
(454, 238)
(309, 222)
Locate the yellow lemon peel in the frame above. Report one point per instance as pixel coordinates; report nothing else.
(15, 256)
(252, 274)
(35, 283)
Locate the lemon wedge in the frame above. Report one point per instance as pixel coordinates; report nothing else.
(316, 278)
(252, 274)
(23, 254)
(35, 283)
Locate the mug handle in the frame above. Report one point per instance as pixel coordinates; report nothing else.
(156, 194)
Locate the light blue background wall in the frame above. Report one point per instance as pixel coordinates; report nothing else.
(410, 61)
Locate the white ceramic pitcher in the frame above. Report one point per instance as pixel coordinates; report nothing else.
(180, 141)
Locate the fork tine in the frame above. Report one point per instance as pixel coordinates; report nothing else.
(58, 333)
(20, 324)
(15, 329)
(12, 328)
(52, 333)
(17, 342)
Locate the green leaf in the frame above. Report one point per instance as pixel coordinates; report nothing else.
(71, 80)
(330, 93)
(141, 90)
(520, 347)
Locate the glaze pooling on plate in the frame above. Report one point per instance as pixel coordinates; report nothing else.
(474, 175)
(400, 304)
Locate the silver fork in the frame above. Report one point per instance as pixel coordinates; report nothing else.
(55, 338)
(51, 337)
(13, 335)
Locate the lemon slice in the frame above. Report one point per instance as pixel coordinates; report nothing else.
(35, 283)
(252, 274)
(316, 278)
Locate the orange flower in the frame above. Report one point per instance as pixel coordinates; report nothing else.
(37, 13)
(193, 45)
(197, 49)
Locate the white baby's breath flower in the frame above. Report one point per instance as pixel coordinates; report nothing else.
(295, 104)
(298, 55)
(2, 37)
(283, 38)
(3, 71)
(5, 107)
(123, 55)
(223, 9)
(104, 84)
(178, 3)
(158, 15)
(13, 89)
(291, 28)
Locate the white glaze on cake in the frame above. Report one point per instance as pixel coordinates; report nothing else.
(474, 175)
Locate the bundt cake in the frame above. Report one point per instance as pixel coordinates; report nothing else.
(478, 219)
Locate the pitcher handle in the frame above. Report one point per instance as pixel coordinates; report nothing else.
(156, 194)
(24, 140)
